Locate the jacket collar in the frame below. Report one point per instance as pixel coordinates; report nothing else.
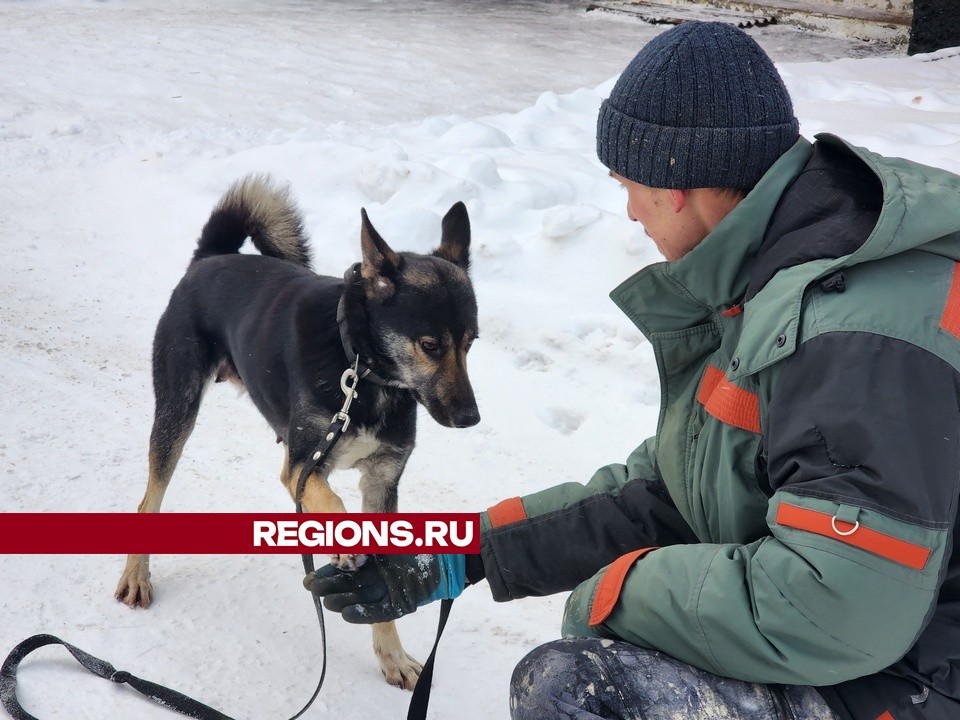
(915, 215)
(671, 296)
(918, 212)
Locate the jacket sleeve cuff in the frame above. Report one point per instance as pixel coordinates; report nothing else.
(611, 583)
(505, 512)
(593, 601)
(474, 569)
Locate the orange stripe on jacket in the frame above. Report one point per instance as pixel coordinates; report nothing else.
(506, 512)
(711, 378)
(608, 589)
(727, 402)
(886, 716)
(878, 543)
(950, 321)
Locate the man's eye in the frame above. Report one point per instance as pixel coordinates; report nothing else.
(429, 345)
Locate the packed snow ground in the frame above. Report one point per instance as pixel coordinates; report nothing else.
(120, 126)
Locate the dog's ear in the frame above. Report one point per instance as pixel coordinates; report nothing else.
(455, 237)
(380, 264)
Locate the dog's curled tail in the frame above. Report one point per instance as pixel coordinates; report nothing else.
(258, 208)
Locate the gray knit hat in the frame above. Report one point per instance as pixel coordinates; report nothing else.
(701, 105)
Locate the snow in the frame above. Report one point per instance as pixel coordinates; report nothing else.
(120, 126)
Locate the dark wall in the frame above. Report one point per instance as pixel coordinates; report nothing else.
(936, 24)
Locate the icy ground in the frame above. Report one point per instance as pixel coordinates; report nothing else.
(121, 124)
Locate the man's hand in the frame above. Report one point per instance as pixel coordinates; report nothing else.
(387, 587)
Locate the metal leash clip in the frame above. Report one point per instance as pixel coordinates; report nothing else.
(348, 384)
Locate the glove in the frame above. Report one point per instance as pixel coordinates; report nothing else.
(387, 587)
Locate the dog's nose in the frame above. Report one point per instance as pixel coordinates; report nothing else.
(467, 417)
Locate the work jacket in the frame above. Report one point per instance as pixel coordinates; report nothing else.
(794, 520)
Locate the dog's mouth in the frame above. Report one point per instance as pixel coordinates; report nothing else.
(465, 420)
(454, 415)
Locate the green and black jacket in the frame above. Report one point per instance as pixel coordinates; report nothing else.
(800, 495)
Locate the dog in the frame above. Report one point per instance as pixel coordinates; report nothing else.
(286, 335)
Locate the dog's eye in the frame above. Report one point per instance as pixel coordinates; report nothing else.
(429, 346)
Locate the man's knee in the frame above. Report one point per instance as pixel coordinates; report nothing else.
(564, 679)
(589, 678)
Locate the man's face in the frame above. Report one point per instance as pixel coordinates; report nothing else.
(661, 214)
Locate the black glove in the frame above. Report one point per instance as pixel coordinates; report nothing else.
(387, 587)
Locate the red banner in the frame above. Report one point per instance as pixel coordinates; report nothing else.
(238, 533)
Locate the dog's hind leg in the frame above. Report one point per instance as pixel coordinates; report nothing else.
(179, 381)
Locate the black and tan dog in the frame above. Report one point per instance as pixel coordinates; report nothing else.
(287, 335)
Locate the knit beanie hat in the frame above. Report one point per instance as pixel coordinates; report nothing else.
(701, 105)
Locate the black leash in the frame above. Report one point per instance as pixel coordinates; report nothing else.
(421, 691)
(184, 704)
(179, 702)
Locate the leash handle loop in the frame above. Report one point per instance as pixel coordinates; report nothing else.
(163, 695)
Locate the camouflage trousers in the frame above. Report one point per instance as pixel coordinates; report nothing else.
(586, 678)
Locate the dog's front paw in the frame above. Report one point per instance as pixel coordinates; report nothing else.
(399, 669)
(348, 563)
(134, 591)
(134, 587)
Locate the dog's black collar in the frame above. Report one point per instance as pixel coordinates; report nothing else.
(364, 371)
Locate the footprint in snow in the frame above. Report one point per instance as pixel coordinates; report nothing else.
(532, 360)
(563, 420)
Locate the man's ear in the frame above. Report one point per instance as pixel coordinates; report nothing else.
(455, 237)
(679, 198)
(380, 264)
